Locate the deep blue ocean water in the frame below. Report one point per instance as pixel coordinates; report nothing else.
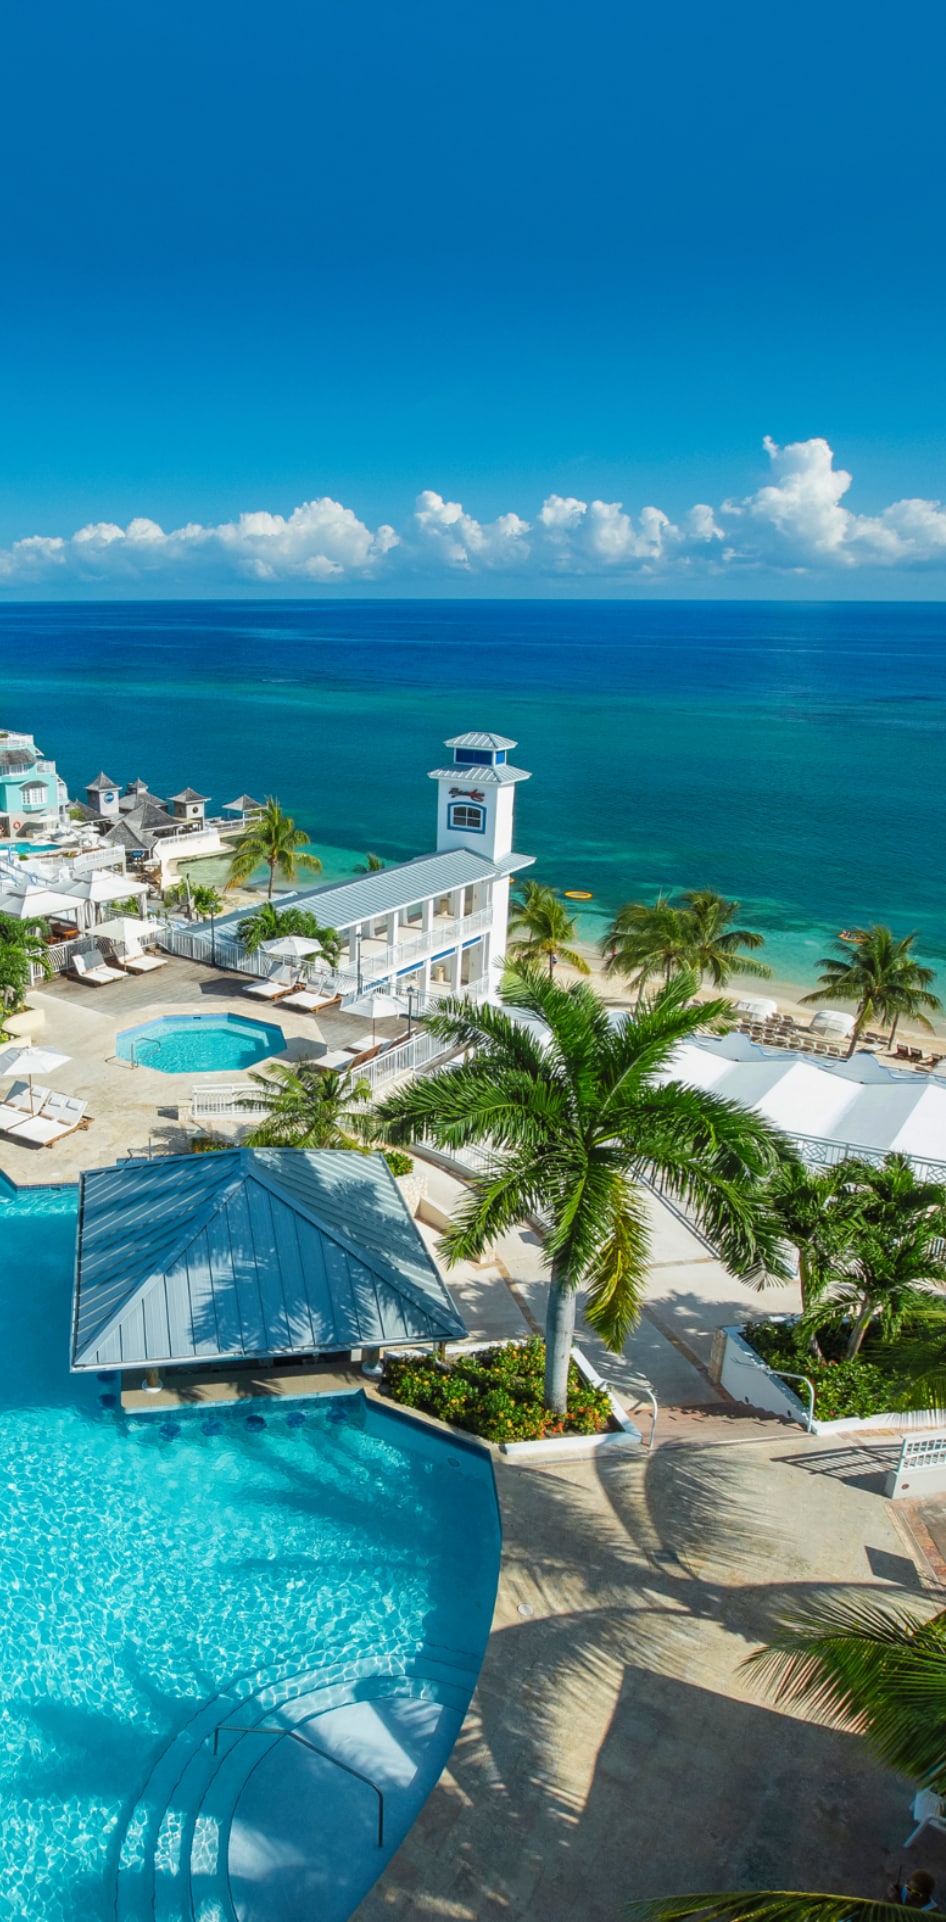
(788, 754)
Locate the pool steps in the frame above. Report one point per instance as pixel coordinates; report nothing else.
(173, 1856)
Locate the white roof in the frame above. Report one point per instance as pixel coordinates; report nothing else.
(486, 743)
(832, 1021)
(759, 1005)
(479, 776)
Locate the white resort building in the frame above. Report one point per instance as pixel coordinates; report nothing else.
(436, 924)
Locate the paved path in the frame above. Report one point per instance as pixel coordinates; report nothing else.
(615, 1747)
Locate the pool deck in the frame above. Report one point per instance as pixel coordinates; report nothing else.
(614, 1747)
(137, 1110)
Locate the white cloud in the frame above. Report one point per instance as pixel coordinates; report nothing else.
(796, 521)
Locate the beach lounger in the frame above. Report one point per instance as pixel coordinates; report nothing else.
(66, 1108)
(310, 1000)
(337, 1060)
(92, 968)
(136, 961)
(39, 1130)
(274, 986)
(9, 1117)
(20, 1097)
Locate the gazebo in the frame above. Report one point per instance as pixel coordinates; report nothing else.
(250, 1255)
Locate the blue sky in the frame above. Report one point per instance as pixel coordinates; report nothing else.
(493, 257)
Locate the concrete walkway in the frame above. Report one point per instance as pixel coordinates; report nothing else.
(615, 1747)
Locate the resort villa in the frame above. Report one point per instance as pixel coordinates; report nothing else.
(436, 924)
(33, 798)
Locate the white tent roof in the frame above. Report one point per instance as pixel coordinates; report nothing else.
(831, 1021)
(759, 1005)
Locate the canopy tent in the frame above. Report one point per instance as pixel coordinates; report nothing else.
(250, 1254)
(37, 903)
(760, 1007)
(831, 1021)
(854, 1104)
(105, 885)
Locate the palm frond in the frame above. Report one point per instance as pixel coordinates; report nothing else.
(764, 1905)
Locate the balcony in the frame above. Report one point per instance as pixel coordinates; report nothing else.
(446, 933)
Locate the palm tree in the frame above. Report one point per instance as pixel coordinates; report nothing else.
(22, 948)
(309, 1107)
(372, 865)
(880, 975)
(271, 840)
(879, 1672)
(809, 1205)
(205, 901)
(267, 923)
(692, 932)
(548, 929)
(717, 949)
(893, 1259)
(572, 1119)
(645, 941)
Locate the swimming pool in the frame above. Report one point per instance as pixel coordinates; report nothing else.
(200, 1044)
(324, 1566)
(29, 847)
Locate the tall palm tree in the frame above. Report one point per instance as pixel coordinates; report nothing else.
(879, 1672)
(272, 840)
(572, 1119)
(893, 1259)
(267, 923)
(205, 901)
(547, 930)
(309, 1107)
(645, 941)
(717, 949)
(881, 976)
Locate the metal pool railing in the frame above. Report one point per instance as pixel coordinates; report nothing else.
(292, 1734)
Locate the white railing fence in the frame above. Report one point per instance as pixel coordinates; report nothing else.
(233, 1100)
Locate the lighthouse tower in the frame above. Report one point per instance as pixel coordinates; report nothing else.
(476, 801)
(475, 810)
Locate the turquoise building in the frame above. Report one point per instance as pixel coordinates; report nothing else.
(31, 794)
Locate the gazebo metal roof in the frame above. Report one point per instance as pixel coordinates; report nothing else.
(100, 785)
(189, 794)
(486, 743)
(248, 1254)
(243, 804)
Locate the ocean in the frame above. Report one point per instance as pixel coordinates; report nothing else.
(790, 755)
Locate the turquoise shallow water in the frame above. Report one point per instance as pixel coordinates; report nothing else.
(788, 754)
(200, 1044)
(144, 1568)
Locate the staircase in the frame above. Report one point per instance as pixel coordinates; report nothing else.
(174, 1853)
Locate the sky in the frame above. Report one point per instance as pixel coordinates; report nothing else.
(533, 298)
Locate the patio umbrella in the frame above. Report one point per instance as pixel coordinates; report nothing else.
(30, 1061)
(376, 1007)
(291, 947)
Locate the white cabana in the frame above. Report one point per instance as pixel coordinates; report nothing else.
(35, 903)
(759, 1007)
(830, 1021)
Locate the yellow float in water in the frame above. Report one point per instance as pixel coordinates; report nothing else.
(577, 894)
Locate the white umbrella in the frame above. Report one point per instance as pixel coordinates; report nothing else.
(832, 1021)
(759, 1006)
(376, 1007)
(291, 947)
(30, 1061)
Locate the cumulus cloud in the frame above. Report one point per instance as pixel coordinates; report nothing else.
(796, 520)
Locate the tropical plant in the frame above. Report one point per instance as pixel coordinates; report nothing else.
(309, 1107)
(572, 1118)
(546, 930)
(372, 865)
(692, 932)
(268, 923)
(205, 901)
(129, 905)
(814, 1211)
(893, 1262)
(497, 1393)
(271, 840)
(881, 977)
(22, 948)
(879, 1672)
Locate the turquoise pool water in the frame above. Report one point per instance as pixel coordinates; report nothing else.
(29, 847)
(200, 1043)
(146, 1564)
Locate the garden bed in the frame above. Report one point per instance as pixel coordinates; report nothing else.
(496, 1393)
(869, 1390)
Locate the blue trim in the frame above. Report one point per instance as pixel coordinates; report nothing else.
(464, 827)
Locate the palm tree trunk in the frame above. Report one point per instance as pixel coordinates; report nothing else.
(858, 1331)
(272, 877)
(551, 963)
(893, 1031)
(856, 1030)
(559, 1330)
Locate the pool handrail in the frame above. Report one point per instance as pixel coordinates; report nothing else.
(263, 1728)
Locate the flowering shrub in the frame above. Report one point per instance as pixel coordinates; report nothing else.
(497, 1393)
(862, 1386)
(398, 1162)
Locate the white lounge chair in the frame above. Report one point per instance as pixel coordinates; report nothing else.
(28, 1100)
(136, 961)
(66, 1108)
(274, 986)
(929, 1812)
(310, 1000)
(94, 969)
(39, 1129)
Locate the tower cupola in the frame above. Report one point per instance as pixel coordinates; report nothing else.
(476, 796)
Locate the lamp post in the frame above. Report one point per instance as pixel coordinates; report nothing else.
(358, 959)
(410, 1008)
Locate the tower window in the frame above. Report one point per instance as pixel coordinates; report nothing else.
(461, 815)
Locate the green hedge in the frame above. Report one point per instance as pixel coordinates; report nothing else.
(861, 1387)
(496, 1393)
(398, 1162)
